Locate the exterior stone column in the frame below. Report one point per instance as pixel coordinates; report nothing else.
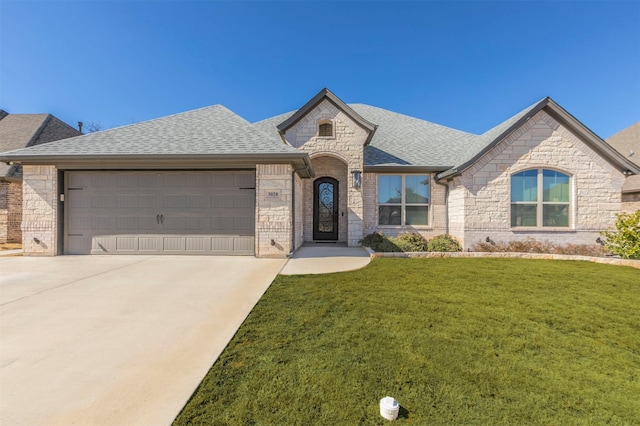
(40, 211)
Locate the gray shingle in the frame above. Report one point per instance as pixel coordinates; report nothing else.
(627, 143)
(23, 130)
(206, 131)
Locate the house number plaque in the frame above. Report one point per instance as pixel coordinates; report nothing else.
(273, 194)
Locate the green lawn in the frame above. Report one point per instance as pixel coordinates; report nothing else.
(455, 341)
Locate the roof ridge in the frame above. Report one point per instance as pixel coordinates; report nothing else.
(39, 131)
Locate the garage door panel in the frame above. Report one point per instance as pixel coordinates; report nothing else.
(194, 244)
(160, 212)
(223, 180)
(244, 181)
(244, 200)
(221, 223)
(243, 225)
(127, 223)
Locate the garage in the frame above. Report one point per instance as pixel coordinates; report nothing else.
(160, 212)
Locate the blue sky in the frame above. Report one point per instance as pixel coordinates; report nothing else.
(466, 65)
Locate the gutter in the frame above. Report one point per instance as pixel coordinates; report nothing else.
(300, 161)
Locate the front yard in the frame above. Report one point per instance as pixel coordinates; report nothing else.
(455, 341)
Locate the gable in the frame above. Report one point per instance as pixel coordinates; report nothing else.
(326, 100)
(305, 133)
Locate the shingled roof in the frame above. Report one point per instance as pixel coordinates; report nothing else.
(25, 130)
(405, 142)
(627, 143)
(205, 134)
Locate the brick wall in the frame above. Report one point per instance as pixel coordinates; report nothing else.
(10, 212)
(39, 212)
(483, 191)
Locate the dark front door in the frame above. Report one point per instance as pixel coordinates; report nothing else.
(325, 209)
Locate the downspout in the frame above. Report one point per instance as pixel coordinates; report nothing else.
(446, 205)
(293, 213)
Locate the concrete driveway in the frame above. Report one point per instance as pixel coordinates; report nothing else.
(118, 340)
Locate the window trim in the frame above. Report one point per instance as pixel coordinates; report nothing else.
(333, 128)
(540, 203)
(403, 204)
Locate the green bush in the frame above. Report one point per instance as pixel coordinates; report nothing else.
(445, 243)
(625, 240)
(373, 240)
(411, 241)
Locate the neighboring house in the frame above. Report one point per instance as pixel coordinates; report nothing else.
(209, 182)
(20, 131)
(627, 142)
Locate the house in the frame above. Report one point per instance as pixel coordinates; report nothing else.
(209, 182)
(627, 142)
(20, 131)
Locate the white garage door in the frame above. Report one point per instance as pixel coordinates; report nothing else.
(181, 212)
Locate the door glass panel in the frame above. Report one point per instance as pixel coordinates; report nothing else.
(325, 207)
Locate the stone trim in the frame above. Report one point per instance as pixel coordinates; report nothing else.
(509, 255)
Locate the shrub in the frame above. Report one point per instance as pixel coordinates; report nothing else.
(625, 240)
(373, 240)
(531, 245)
(411, 241)
(445, 243)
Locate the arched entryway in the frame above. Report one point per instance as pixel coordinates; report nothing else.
(326, 219)
(325, 209)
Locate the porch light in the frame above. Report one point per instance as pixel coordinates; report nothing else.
(357, 178)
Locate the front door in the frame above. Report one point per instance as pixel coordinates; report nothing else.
(325, 209)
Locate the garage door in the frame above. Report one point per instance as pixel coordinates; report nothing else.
(182, 212)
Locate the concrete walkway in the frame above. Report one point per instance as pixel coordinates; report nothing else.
(325, 258)
(117, 340)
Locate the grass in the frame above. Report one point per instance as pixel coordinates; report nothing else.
(455, 341)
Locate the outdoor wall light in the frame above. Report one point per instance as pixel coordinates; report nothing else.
(357, 178)
(36, 240)
(273, 242)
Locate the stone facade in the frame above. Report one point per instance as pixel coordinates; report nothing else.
(479, 205)
(274, 210)
(10, 212)
(40, 211)
(336, 156)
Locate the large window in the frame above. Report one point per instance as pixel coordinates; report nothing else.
(539, 199)
(403, 199)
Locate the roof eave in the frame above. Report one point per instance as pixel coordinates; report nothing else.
(464, 166)
(337, 102)
(566, 119)
(598, 144)
(400, 168)
(299, 161)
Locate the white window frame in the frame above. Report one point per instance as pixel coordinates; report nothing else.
(540, 203)
(403, 204)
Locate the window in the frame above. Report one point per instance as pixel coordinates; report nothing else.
(539, 199)
(403, 199)
(325, 128)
